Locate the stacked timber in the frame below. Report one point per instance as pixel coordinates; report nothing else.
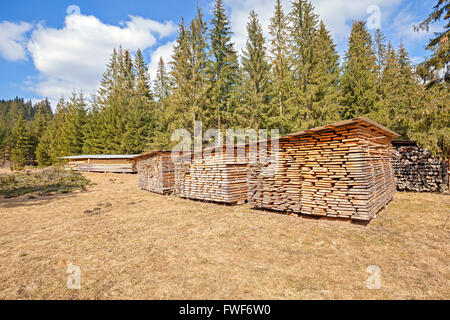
(214, 176)
(418, 170)
(342, 170)
(101, 163)
(156, 172)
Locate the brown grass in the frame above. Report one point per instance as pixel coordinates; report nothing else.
(134, 244)
(47, 181)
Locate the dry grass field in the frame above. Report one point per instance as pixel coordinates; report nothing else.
(131, 244)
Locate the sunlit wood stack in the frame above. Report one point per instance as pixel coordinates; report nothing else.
(339, 170)
(156, 172)
(214, 175)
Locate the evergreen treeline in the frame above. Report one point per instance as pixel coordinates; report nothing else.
(292, 81)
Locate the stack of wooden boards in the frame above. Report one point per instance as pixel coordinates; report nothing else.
(418, 170)
(101, 163)
(215, 175)
(341, 170)
(156, 171)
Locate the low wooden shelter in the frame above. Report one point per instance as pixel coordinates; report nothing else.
(156, 171)
(118, 163)
(339, 170)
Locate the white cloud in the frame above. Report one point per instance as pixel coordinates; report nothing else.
(74, 57)
(404, 23)
(164, 51)
(13, 41)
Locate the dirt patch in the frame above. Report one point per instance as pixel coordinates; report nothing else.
(148, 246)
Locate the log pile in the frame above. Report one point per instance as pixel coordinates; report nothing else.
(156, 172)
(215, 176)
(341, 170)
(417, 170)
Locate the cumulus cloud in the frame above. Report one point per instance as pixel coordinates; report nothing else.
(13, 40)
(74, 57)
(165, 52)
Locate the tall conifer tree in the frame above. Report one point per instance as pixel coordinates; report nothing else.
(223, 71)
(281, 73)
(359, 94)
(255, 111)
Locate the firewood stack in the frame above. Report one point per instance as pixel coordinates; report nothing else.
(418, 170)
(341, 170)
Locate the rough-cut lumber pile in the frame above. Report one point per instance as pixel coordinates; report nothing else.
(156, 172)
(417, 170)
(116, 168)
(213, 176)
(341, 170)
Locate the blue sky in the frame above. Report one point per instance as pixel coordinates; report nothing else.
(47, 51)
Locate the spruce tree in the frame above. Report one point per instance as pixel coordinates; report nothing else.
(43, 154)
(55, 133)
(181, 74)
(198, 62)
(41, 119)
(140, 112)
(255, 110)
(21, 152)
(281, 74)
(72, 131)
(93, 131)
(160, 137)
(223, 71)
(3, 139)
(115, 98)
(358, 84)
(325, 88)
(303, 35)
(161, 83)
(315, 67)
(437, 67)
(380, 50)
(189, 74)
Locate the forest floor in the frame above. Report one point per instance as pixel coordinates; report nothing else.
(132, 244)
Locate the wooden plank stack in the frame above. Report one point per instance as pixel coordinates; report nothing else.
(102, 165)
(417, 170)
(156, 172)
(341, 170)
(213, 176)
